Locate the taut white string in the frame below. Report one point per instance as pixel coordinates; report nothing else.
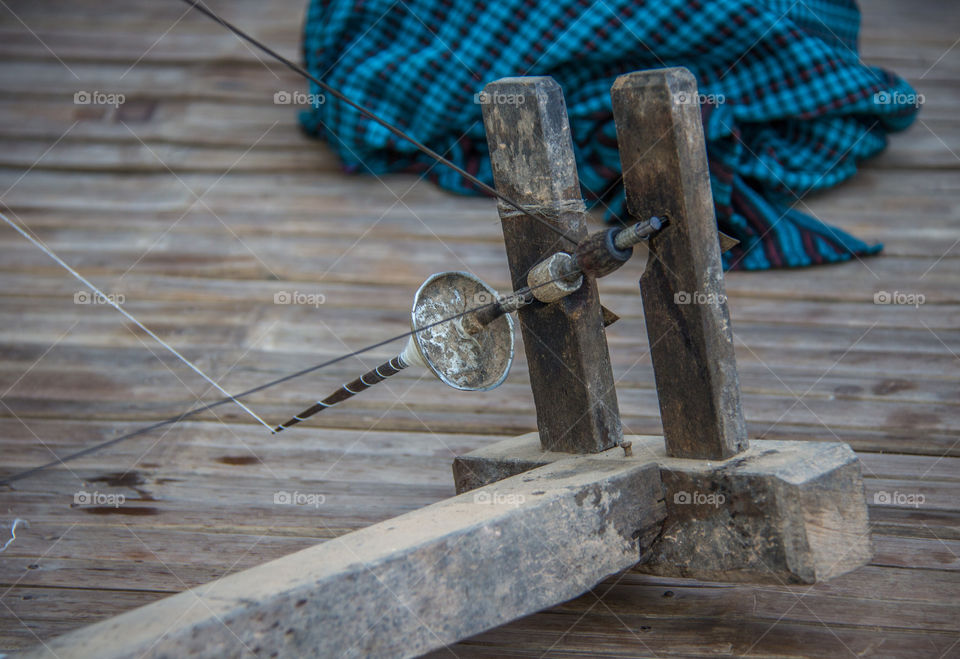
(46, 250)
(13, 532)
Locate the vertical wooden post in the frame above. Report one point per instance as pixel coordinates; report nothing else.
(532, 158)
(664, 162)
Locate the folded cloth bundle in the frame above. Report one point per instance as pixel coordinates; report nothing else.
(787, 105)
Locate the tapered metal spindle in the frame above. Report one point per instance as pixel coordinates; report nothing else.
(461, 350)
(551, 279)
(349, 390)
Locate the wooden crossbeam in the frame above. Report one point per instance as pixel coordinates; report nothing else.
(411, 584)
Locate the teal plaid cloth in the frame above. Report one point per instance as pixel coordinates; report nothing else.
(787, 105)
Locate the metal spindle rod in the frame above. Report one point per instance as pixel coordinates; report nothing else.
(560, 274)
(630, 236)
(552, 279)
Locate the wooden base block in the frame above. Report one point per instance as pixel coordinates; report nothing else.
(780, 512)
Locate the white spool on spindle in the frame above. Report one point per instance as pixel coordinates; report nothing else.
(549, 280)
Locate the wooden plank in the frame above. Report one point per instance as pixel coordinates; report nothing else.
(109, 390)
(837, 399)
(598, 634)
(191, 123)
(928, 194)
(206, 146)
(209, 81)
(473, 222)
(414, 417)
(248, 257)
(153, 157)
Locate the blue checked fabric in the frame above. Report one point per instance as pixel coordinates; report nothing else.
(787, 105)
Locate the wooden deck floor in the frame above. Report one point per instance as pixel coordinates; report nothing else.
(198, 200)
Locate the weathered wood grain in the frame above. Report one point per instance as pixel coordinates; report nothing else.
(786, 512)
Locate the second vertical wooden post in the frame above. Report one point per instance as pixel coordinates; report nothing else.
(664, 160)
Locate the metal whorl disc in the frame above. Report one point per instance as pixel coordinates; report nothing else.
(475, 362)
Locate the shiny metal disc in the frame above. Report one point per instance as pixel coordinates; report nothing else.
(468, 362)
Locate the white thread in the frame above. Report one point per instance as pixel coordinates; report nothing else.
(348, 390)
(551, 211)
(77, 275)
(410, 356)
(13, 532)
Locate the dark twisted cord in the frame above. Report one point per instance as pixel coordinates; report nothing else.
(223, 401)
(196, 4)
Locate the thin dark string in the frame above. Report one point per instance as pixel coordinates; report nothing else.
(196, 4)
(286, 378)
